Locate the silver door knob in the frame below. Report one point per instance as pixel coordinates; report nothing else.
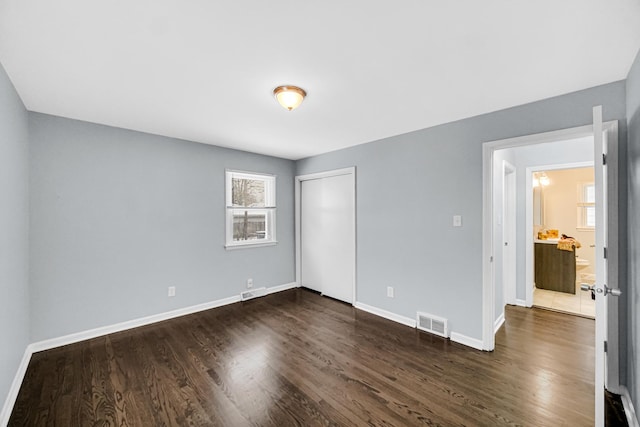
(612, 291)
(586, 287)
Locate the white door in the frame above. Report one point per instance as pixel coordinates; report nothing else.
(602, 291)
(601, 264)
(338, 227)
(327, 227)
(509, 233)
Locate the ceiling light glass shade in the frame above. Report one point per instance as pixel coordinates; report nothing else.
(290, 97)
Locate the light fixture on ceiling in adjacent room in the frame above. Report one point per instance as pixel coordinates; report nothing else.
(290, 97)
(540, 179)
(544, 179)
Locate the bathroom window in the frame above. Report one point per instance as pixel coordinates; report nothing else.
(587, 206)
(251, 209)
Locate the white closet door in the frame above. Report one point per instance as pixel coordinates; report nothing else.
(337, 280)
(311, 231)
(328, 236)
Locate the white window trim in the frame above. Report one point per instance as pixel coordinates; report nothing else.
(581, 221)
(270, 201)
(236, 245)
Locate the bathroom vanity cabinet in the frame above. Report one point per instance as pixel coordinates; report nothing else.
(555, 269)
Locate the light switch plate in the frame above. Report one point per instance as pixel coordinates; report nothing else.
(457, 220)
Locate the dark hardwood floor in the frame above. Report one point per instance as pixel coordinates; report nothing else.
(296, 358)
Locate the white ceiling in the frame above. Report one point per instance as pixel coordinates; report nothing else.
(204, 70)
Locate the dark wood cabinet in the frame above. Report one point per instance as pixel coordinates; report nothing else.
(555, 269)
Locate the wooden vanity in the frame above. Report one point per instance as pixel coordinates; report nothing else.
(555, 269)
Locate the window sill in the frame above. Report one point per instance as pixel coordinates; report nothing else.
(234, 246)
(585, 229)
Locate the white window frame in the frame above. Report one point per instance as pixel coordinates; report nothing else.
(583, 206)
(269, 209)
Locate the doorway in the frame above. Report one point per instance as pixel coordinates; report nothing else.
(564, 205)
(325, 233)
(605, 138)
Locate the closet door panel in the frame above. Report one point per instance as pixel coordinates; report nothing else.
(337, 223)
(311, 239)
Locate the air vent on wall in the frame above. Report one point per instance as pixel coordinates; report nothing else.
(433, 324)
(253, 293)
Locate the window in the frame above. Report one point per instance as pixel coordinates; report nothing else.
(251, 209)
(587, 206)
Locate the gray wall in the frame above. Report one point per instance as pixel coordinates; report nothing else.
(409, 187)
(633, 288)
(14, 233)
(118, 216)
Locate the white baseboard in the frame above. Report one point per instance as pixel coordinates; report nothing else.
(143, 321)
(521, 303)
(7, 408)
(468, 341)
(281, 288)
(386, 314)
(629, 410)
(129, 324)
(459, 338)
(498, 323)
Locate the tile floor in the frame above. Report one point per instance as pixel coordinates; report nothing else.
(580, 303)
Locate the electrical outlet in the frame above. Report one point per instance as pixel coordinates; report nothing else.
(172, 291)
(390, 291)
(249, 283)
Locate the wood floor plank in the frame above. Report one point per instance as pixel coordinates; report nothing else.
(296, 358)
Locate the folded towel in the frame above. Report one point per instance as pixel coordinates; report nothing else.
(568, 243)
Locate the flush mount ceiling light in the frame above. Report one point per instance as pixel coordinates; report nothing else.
(290, 97)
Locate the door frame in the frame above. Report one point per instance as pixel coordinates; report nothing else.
(488, 266)
(529, 264)
(298, 218)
